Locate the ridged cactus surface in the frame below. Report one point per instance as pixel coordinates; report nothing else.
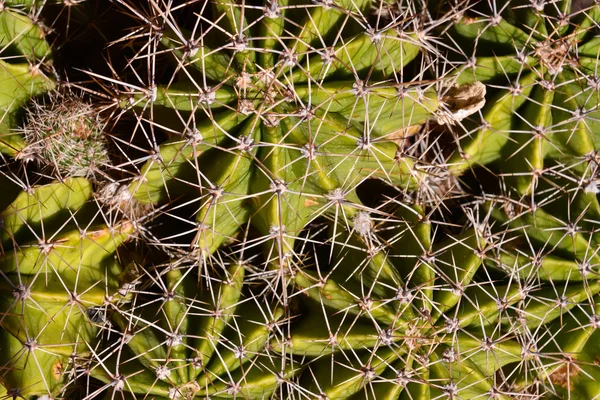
(25, 56)
(277, 112)
(193, 339)
(295, 199)
(471, 317)
(54, 274)
(540, 60)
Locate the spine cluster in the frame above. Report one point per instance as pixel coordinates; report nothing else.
(280, 199)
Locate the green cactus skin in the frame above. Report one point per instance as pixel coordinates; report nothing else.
(24, 53)
(53, 275)
(545, 247)
(277, 114)
(193, 340)
(543, 116)
(274, 115)
(540, 139)
(467, 318)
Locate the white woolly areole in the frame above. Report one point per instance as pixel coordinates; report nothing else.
(591, 187)
(118, 383)
(174, 393)
(162, 372)
(207, 96)
(363, 223)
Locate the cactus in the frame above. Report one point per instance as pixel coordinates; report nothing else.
(389, 317)
(399, 314)
(53, 273)
(66, 136)
(272, 128)
(188, 339)
(304, 226)
(561, 258)
(24, 56)
(538, 137)
(542, 110)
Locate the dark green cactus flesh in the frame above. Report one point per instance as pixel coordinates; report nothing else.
(473, 316)
(542, 58)
(24, 54)
(299, 199)
(278, 112)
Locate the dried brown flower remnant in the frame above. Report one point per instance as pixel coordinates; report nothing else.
(460, 101)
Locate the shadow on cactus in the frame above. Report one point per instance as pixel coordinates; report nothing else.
(276, 113)
(180, 338)
(549, 242)
(25, 57)
(397, 314)
(540, 61)
(56, 268)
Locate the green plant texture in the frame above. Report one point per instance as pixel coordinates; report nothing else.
(276, 113)
(294, 199)
(24, 53)
(53, 275)
(542, 117)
